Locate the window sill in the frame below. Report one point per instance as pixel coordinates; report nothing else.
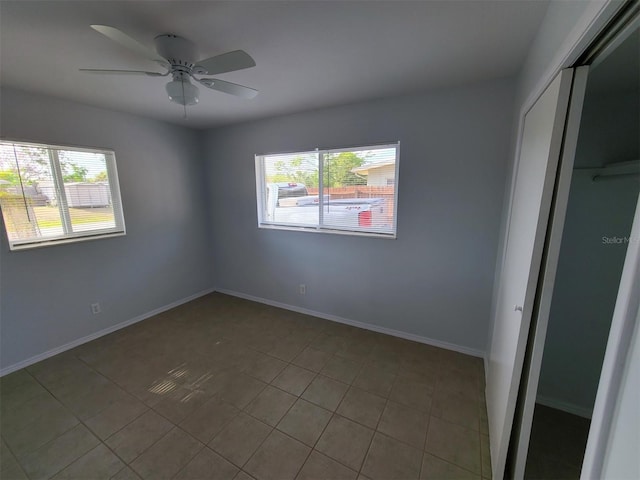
(63, 241)
(336, 231)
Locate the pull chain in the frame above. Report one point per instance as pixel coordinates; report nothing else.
(184, 104)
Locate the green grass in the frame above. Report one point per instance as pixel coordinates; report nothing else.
(50, 216)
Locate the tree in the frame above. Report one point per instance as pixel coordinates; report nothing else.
(77, 174)
(337, 170)
(33, 161)
(101, 177)
(295, 170)
(9, 176)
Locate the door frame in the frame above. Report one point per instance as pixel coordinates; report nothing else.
(582, 36)
(627, 21)
(588, 27)
(628, 300)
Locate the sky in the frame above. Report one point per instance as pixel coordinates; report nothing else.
(311, 163)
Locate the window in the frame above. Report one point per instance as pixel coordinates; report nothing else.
(351, 190)
(51, 194)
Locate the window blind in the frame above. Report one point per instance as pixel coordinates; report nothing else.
(52, 194)
(351, 190)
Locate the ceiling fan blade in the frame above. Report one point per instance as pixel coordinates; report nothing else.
(228, 87)
(126, 41)
(123, 72)
(227, 62)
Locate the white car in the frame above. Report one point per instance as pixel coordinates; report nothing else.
(290, 203)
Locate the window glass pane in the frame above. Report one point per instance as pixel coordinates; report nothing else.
(359, 189)
(291, 189)
(54, 194)
(27, 193)
(87, 191)
(340, 190)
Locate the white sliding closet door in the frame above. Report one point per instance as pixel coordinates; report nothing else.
(540, 149)
(546, 286)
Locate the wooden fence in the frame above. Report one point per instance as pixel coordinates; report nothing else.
(356, 191)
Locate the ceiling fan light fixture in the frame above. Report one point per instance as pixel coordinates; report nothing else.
(182, 92)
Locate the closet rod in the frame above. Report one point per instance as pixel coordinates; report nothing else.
(612, 176)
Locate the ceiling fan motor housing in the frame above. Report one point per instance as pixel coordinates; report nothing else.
(177, 50)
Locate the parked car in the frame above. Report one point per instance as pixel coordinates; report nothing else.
(290, 203)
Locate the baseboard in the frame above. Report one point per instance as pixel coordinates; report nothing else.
(564, 406)
(68, 346)
(354, 323)
(375, 328)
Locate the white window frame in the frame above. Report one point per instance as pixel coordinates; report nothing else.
(69, 236)
(320, 228)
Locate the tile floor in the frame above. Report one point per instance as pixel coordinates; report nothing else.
(223, 388)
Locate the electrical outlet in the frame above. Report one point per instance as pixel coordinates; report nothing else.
(95, 308)
(303, 289)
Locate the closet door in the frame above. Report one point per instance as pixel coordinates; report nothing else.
(538, 330)
(540, 149)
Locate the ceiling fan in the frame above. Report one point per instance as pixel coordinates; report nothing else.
(177, 56)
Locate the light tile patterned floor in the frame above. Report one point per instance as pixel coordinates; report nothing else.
(223, 388)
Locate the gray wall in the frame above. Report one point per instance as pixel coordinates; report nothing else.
(563, 27)
(46, 292)
(609, 128)
(588, 269)
(585, 291)
(435, 280)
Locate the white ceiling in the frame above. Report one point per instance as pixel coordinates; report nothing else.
(309, 54)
